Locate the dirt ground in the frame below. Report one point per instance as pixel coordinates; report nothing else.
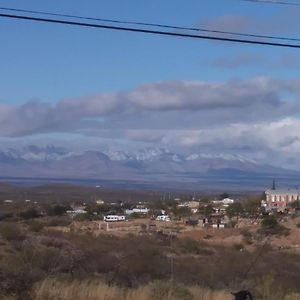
(226, 237)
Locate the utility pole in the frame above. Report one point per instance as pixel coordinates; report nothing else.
(171, 260)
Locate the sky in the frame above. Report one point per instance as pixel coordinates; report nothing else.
(85, 88)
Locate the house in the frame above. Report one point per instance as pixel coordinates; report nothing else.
(76, 210)
(225, 202)
(8, 201)
(114, 218)
(190, 204)
(214, 221)
(100, 202)
(279, 199)
(137, 210)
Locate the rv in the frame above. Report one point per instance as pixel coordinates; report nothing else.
(164, 218)
(113, 218)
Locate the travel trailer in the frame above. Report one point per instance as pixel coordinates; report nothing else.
(113, 218)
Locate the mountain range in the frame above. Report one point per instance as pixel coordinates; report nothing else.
(156, 167)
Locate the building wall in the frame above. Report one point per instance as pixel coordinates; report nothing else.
(280, 200)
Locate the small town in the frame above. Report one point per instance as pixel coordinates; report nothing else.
(221, 219)
(150, 150)
(251, 227)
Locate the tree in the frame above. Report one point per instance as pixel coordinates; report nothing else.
(206, 210)
(11, 231)
(223, 196)
(234, 209)
(204, 200)
(269, 222)
(295, 204)
(252, 206)
(181, 212)
(59, 210)
(30, 213)
(270, 225)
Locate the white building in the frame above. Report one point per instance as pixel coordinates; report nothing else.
(136, 210)
(8, 201)
(164, 218)
(114, 218)
(225, 202)
(279, 199)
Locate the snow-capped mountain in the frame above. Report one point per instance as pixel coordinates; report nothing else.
(146, 165)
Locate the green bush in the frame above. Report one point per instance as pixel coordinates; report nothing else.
(269, 222)
(270, 225)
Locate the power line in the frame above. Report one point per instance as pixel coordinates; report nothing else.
(147, 31)
(274, 2)
(150, 24)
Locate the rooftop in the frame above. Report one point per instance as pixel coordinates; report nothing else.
(282, 191)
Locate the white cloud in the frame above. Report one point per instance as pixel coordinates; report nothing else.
(255, 117)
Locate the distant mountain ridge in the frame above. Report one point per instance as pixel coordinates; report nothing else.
(146, 165)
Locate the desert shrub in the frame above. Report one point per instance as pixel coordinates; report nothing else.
(232, 223)
(252, 207)
(84, 217)
(35, 226)
(59, 210)
(267, 289)
(30, 213)
(17, 277)
(234, 209)
(4, 216)
(143, 227)
(247, 237)
(56, 289)
(95, 289)
(11, 231)
(270, 225)
(238, 246)
(207, 236)
(269, 222)
(169, 290)
(58, 221)
(191, 246)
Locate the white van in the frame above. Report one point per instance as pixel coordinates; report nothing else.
(113, 218)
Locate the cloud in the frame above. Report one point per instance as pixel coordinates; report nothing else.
(282, 136)
(285, 21)
(246, 59)
(181, 95)
(229, 23)
(36, 117)
(158, 106)
(286, 61)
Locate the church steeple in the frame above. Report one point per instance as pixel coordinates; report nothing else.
(274, 185)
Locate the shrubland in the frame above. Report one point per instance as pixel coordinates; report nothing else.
(39, 264)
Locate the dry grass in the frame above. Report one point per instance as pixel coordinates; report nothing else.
(53, 289)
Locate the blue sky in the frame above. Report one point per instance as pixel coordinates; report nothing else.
(126, 90)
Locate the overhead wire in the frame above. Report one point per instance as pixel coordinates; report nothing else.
(148, 31)
(149, 24)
